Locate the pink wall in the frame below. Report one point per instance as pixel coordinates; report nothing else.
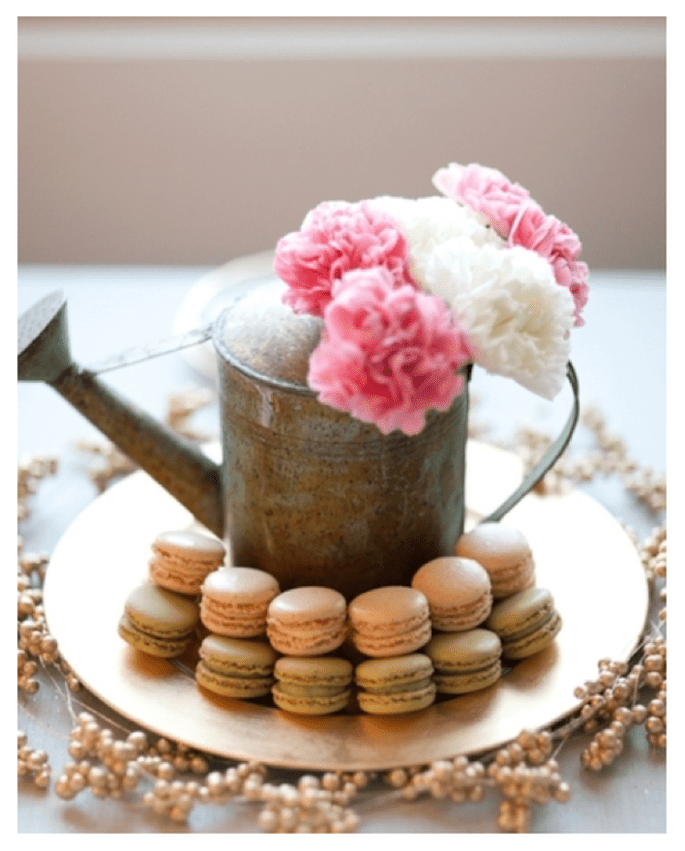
(198, 160)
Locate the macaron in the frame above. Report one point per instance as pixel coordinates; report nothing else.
(235, 667)
(526, 622)
(307, 621)
(235, 601)
(458, 592)
(504, 552)
(312, 685)
(465, 661)
(182, 559)
(395, 685)
(389, 621)
(158, 621)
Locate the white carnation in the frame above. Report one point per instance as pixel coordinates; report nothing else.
(517, 318)
(428, 222)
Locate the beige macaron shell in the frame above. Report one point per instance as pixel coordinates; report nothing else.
(327, 671)
(297, 641)
(241, 586)
(391, 644)
(239, 657)
(308, 605)
(384, 610)
(187, 543)
(458, 591)
(394, 673)
(161, 612)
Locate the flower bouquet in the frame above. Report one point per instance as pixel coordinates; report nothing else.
(412, 291)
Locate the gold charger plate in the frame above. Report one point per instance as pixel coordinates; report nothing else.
(582, 554)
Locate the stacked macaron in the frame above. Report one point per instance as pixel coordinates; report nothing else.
(395, 685)
(312, 685)
(458, 592)
(235, 660)
(235, 601)
(389, 621)
(465, 657)
(160, 616)
(236, 667)
(158, 621)
(505, 554)
(465, 661)
(183, 558)
(307, 621)
(526, 622)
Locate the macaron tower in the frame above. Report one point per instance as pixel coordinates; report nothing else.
(390, 624)
(307, 624)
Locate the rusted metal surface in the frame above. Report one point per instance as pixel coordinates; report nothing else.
(313, 495)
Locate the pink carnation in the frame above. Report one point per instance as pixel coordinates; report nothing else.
(335, 237)
(521, 221)
(388, 353)
(485, 190)
(559, 245)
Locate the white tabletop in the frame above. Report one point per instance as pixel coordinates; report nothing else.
(112, 308)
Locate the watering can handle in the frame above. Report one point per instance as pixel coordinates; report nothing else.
(550, 457)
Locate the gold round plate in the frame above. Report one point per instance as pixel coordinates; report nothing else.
(582, 555)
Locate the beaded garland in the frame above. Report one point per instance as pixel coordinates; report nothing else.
(522, 773)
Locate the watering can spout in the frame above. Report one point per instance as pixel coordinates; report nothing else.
(169, 458)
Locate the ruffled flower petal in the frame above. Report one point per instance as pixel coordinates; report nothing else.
(388, 353)
(483, 189)
(335, 237)
(517, 318)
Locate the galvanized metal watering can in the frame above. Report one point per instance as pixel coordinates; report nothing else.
(304, 491)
